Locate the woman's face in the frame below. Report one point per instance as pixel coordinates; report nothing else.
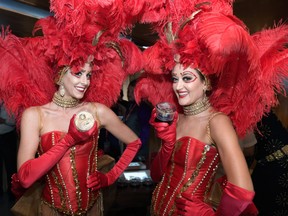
(76, 84)
(187, 85)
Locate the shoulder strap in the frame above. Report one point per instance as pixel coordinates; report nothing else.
(96, 115)
(208, 127)
(40, 118)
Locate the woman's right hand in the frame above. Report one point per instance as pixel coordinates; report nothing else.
(74, 136)
(165, 131)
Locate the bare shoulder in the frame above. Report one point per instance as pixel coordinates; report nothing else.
(30, 117)
(218, 120)
(99, 108)
(221, 127)
(31, 112)
(222, 131)
(103, 113)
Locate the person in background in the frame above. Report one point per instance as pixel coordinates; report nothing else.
(271, 171)
(113, 147)
(137, 119)
(248, 147)
(8, 148)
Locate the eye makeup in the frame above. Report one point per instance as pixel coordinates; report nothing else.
(188, 76)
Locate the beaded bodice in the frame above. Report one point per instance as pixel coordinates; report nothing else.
(191, 169)
(65, 189)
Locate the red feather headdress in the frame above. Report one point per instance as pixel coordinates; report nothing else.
(244, 70)
(77, 30)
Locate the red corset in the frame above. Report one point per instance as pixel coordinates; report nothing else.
(65, 188)
(191, 167)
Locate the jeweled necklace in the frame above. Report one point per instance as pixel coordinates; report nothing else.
(65, 103)
(197, 107)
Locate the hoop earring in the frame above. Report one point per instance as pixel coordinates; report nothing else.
(61, 91)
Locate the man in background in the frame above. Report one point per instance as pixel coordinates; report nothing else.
(8, 149)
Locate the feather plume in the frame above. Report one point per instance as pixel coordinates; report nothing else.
(21, 73)
(154, 88)
(67, 39)
(239, 66)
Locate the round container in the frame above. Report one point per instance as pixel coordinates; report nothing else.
(165, 112)
(84, 121)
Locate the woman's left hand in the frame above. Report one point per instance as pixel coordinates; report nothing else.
(97, 180)
(189, 206)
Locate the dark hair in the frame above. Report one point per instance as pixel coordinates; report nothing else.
(201, 75)
(204, 79)
(132, 83)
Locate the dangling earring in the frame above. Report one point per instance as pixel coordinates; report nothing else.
(204, 91)
(61, 90)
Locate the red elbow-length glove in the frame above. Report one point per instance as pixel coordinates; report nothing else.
(235, 201)
(99, 180)
(167, 133)
(32, 170)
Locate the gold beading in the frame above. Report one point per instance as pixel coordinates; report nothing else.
(65, 103)
(197, 107)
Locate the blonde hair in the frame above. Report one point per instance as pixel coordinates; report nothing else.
(61, 73)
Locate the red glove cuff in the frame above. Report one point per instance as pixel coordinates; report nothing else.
(238, 193)
(234, 201)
